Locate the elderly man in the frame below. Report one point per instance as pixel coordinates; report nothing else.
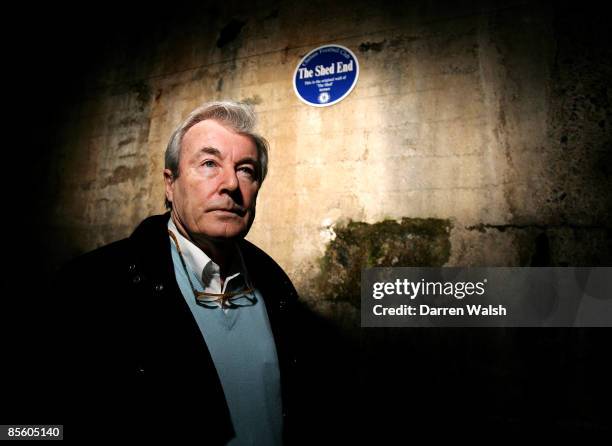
(185, 322)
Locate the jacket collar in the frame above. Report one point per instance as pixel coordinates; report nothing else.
(151, 243)
(152, 250)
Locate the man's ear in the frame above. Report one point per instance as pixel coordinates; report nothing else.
(168, 184)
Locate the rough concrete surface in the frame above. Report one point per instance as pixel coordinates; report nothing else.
(493, 117)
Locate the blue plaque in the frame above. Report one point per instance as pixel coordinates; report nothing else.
(326, 75)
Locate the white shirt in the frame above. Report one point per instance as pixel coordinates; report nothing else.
(208, 273)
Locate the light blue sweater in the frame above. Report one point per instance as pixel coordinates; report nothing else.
(242, 347)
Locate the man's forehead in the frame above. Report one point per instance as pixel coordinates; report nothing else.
(211, 134)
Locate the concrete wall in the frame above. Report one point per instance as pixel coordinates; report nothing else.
(486, 124)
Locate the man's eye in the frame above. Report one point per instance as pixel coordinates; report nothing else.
(248, 171)
(209, 163)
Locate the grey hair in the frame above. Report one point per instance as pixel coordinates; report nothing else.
(237, 116)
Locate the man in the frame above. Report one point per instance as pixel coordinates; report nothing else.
(185, 322)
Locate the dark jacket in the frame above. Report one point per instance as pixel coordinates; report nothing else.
(135, 353)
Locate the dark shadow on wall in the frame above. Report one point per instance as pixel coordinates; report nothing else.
(452, 381)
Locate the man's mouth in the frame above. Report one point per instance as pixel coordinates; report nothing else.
(235, 211)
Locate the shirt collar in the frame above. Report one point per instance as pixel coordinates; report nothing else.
(207, 271)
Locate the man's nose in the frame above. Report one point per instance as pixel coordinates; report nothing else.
(229, 181)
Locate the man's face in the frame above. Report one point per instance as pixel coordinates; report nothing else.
(215, 193)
